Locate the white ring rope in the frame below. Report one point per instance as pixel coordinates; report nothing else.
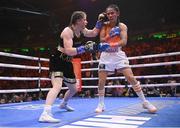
(94, 78)
(22, 56)
(86, 87)
(141, 65)
(140, 57)
(139, 77)
(22, 66)
(156, 64)
(27, 90)
(23, 78)
(129, 86)
(90, 69)
(84, 62)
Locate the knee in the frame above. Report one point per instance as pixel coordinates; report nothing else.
(131, 79)
(55, 90)
(74, 89)
(101, 82)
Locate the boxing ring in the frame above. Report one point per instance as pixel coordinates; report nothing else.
(121, 112)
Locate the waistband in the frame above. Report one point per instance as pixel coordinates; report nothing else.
(63, 56)
(113, 49)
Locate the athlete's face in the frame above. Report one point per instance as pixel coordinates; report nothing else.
(112, 14)
(83, 22)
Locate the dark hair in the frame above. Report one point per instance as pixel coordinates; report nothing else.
(116, 8)
(76, 16)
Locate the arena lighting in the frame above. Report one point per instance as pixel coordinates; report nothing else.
(159, 35)
(140, 38)
(42, 49)
(25, 50)
(178, 33)
(7, 50)
(173, 35)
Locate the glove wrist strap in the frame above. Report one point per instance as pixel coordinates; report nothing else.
(99, 24)
(80, 49)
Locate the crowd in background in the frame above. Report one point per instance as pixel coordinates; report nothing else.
(132, 49)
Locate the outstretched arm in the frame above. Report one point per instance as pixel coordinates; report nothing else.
(90, 46)
(91, 32)
(95, 31)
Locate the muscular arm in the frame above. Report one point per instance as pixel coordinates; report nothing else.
(123, 34)
(95, 31)
(90, 32)
(67, 36)
(90, 46)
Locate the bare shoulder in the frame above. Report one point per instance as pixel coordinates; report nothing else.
(67, 32)
(123, 26)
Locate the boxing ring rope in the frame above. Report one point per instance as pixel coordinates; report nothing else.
(139, 77)
(39, 68)
(143, 85)
(141, 65)
(22, 56)
(141, 57)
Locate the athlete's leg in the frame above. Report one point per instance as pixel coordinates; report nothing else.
(72, 89)
(56, 80)
(127, 72)
(101, 90)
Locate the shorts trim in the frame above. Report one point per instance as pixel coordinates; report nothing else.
(56, 74)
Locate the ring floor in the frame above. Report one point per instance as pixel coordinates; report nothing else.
(120, 113)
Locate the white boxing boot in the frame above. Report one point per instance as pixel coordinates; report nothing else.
(45, 117)
(151, 108)
(100, 108)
